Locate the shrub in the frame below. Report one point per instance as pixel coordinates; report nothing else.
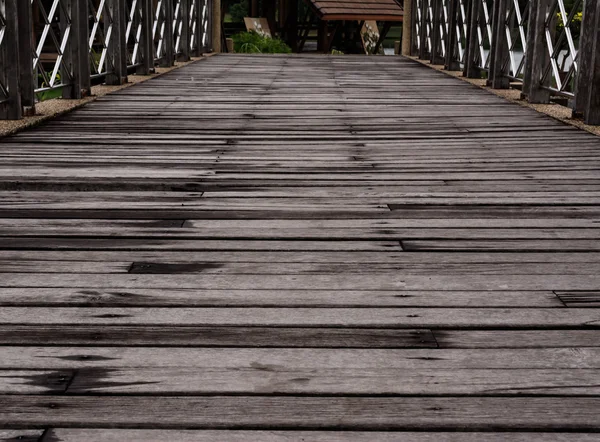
(253, 43)
(238, 11)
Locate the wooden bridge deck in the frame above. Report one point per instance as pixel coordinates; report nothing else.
(300, 248)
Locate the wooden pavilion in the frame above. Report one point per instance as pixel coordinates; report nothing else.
(330, 16)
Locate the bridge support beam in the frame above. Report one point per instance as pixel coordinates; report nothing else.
(435, 57)
(185, 39)
(499, 47)
(452, 63)
(77, 53)
(471, 70)
(146, 40)
(168, 58)
(117, 48)
(587, 96)
(10, 98)
(537, 54)
(25, 49)
(407, 26)
(216, 26)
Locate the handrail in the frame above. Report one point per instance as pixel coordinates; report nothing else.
(552, 47)
(76, 41)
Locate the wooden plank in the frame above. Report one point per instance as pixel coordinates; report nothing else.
(185, 336)
(536, 245)
(308, 317)
(50, 243)
(208, 267)
(175, 225)
(346, 381)
(191, 297)
(376, 281)
(579, 298)
(517, 338)
(75, 358)
(111, 435)
(7, 435)
(343, 413)
(332, 234)
(314, 257)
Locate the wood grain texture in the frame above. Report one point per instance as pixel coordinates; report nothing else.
(108, 435)
(190, 297)
(308, 317)
(20, 435)
(300, 248)
(345, 413)
(74, 358)
(264, 379)
(220, 336)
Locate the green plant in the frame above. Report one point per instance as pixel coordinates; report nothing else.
(575, 24)
(254, 43)
(49, 94)
(238, 11)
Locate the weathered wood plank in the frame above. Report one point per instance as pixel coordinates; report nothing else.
(351, 413)
(109, 435)
(73, 358)
(579, 298)
(20, 435)
(254, 268)
(186, 336)
(190, 297)
(260, 379)
(376, 281)
(517, 338)
(311, 317)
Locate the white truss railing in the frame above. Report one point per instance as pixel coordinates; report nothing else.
(534, 42)
(71, 42)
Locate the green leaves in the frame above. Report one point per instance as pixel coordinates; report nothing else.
(254, 43)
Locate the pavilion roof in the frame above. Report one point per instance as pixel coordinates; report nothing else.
(381, 10)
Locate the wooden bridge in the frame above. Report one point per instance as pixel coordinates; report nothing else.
(300, 248)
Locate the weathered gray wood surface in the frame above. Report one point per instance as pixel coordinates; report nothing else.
(109, 435)
(251, 247)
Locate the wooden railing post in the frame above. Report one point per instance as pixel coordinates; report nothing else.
(198, 46)
(436, 35)
(471, 70)
(207, 26)
(25, 48)
(10, 106)
(407, 27)
(452, 63)
(537, 53)
(587, 92)
(215, 25)
(146, 47)
(117, 47)
(185, 39)
(499, 47)
(77, 52)
(423, 36)
(168, 59)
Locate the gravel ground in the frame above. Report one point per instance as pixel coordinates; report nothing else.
(53, 108)
(556, 111)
